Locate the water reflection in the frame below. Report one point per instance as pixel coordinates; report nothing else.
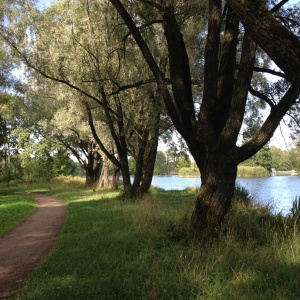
(278, 191)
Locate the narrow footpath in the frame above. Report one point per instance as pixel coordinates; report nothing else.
(23, 248)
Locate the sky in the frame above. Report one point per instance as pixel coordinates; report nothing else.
(281, 136)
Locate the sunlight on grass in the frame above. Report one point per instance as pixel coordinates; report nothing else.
(121, 249)
(13, 209)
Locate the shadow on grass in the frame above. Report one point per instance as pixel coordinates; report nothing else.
(111, 249)
(264, 273)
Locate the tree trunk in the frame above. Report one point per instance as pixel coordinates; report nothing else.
(104, 182)
(115, 177)
(93, 168)
(149, 163)
(215, 195)
(128, 191)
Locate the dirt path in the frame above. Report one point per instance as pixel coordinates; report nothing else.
(22, 248)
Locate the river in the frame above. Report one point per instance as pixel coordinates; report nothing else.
(278, 191)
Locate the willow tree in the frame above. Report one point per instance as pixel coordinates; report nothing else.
(57, 111)
(212, 131)
(73, 43)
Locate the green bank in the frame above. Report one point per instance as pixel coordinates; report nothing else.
(111, 248)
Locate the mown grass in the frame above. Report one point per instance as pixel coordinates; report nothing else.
(113, 249)
(13, 209)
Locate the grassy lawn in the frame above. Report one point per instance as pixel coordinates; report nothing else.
(13, 209)
(113, 249)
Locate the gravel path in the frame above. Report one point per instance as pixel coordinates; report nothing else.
(22, 248)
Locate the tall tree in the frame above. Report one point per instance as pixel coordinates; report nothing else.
(212, 132)
(58, 112)
(74, 43)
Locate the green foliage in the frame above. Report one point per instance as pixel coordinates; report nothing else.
(277, 158)
(263, 158)
(171, 161)
(176, 159)
(63, 165)
(131, 163)
(161, 166)
(286, 160)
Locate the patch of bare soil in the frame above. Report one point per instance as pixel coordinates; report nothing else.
(23, 248)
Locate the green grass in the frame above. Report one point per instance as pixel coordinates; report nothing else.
(113, 249)
(13, 209)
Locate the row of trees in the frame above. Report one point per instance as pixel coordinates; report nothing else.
(273, 157)
(107, 78)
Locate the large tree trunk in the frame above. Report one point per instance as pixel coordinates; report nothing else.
(215, 195)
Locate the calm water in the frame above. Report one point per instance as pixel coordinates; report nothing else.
(279, 191)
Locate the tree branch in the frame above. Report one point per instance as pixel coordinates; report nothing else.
(159, 76)
(97, 139)
(237, 110)
(179, 69)
(278, 6)
(143, 26)
(269, 71)
(211, 65)
(282, 46)
(267, 130)
(130, 86)
(261, 96)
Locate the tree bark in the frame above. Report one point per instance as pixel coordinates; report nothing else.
(275, 39)
(115, 177)
(215, 195)
(93, 167)
(104, 181)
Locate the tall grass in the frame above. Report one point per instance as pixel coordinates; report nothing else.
(189, 172)
(256, 171)
(243, 171)
(112, 249)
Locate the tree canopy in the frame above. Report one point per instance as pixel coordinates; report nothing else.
(203, 63)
